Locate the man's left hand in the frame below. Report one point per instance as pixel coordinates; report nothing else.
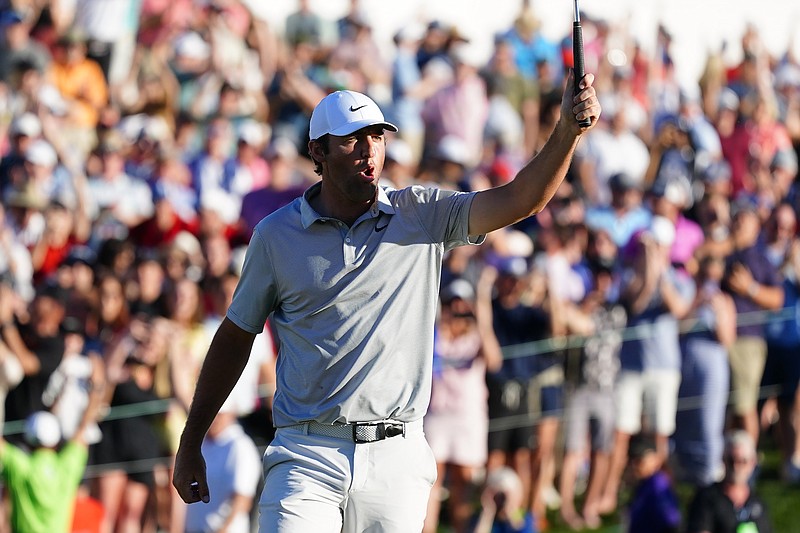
(580, 106)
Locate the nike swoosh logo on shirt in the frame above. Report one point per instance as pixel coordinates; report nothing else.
(381, 228)
(354, 109)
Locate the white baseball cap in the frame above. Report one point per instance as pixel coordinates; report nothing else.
(663, 230)
(343, 112)
(252, 133)
(281, 147)
(26, 124)
(453, 149)
(458, 288)
(504, 479)
(399, 151)
(192, 46)
(42, 429)
(468, 53)
(41, 153)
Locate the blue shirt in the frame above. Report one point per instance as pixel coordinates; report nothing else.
(620, 228)
(652, 338)
(783, 329)
(528, 53)
(655, 507)
(764, 273)
(405, 112)
(515, 327)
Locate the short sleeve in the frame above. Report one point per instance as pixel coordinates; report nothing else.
(444, 215)
(256, 294)
(73, 458)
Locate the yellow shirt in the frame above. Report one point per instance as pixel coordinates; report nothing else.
(84, 85)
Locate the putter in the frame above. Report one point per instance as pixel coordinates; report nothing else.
(577, 54)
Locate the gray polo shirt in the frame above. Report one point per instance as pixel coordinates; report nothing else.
(354, 308)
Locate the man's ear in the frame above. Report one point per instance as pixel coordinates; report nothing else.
(316, 151)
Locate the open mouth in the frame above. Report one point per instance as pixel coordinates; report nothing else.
(368, 173)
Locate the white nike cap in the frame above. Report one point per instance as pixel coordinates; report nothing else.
(343, 112)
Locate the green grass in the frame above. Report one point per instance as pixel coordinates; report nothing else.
(783, 501)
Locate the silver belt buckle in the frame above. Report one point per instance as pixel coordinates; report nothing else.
(382, 431)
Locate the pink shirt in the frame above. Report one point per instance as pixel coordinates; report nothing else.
(444, 114)
(460, 389)
(260, 172)
(688, 236)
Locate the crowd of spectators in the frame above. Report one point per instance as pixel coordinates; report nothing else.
(655, 297)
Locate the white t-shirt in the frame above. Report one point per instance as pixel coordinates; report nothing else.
(611, 154)
(244, 397)
(233, 466)
(126, 196)
(103, 20)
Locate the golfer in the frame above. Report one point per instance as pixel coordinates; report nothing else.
(349, 273)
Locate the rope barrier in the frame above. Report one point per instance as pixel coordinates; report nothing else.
(556, 344)
(530, 349)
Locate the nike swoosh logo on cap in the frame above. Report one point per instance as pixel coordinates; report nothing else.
(354, 109)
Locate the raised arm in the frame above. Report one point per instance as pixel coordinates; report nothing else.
(765, 296)
(537, 182)
(491, 351)
(222, 367)
(10, 335)
(675, 302)
(97, 386)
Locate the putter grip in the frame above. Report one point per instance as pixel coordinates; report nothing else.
(577, 54)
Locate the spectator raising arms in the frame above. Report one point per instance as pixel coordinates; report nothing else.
(656, 296)
(43, 483)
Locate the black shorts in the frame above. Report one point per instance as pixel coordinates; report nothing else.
(510, 426)
(783, 369)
